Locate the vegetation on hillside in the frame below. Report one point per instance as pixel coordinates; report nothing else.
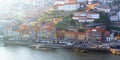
(67, 21)
(104, 18)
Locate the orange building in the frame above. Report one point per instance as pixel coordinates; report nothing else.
(71, 35)
(75, 35)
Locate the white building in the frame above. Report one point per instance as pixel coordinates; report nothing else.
(71, 5)
(105, 1)
(115, 17)
(80, 13)
(81, 1)
(93, 15)
(59, 5)
(67, 5)
(85, 17)
(13, 35)
(86, 20)
(103, 9)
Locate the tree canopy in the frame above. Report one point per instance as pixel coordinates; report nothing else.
(67, 21)
(104, 18)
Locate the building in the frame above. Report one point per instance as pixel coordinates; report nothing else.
(12, 35)
(102, 7)
(67, 5)
(74, 35)
(47, 31)
(115, 22)
(115, 25)
(97, 34)
(93, 15)
(105, 1)
(59, 5)
(71, 5)
(70, 36)
(85, 16)
(115, 18)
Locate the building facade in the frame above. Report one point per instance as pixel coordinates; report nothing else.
(85, 16)
(66, 5)
(97, 34)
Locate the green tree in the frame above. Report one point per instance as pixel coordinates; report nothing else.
(67, 21)
(60, 26)
(104, 18)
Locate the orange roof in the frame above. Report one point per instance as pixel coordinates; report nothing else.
(71, 2)
(74, 33)
(58, 5)
(97, 29)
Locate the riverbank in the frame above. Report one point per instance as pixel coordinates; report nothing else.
(26, 53)
(56, 46)
(25, 43)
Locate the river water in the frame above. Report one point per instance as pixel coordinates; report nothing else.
(26, 53)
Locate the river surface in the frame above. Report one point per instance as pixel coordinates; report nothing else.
(26, 53)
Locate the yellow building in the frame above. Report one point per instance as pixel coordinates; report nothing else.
(74, 35)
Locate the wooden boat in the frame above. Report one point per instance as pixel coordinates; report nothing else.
(115, 50)
(44, 48)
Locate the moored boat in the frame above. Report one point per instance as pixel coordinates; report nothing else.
(115, 50)
(44, 48)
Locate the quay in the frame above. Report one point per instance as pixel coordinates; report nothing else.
(79, 48)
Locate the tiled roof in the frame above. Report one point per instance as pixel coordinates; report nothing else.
(71, 2)
(74, 32)
(58, 5)
(101, 30)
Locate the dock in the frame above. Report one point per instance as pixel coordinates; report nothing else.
(55, 46)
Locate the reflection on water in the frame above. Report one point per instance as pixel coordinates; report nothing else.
(26, 53)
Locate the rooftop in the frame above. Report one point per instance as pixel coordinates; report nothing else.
(71, 2)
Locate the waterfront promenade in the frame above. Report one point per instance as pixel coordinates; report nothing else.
(81, 46)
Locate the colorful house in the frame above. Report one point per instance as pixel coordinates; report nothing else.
(74, 35)
(71, 35)
(97, 34)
